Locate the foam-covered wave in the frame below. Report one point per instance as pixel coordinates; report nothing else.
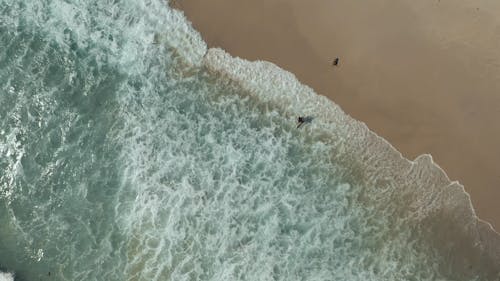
(126, 153)
(419, 191)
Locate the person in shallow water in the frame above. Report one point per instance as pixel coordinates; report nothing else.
(335, 62)
(300, 121)
(304, 119)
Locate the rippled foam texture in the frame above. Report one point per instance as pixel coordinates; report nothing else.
(126, 154)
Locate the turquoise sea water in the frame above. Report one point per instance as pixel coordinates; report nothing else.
(127, 152)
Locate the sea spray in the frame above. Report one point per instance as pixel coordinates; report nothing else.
(126, 153)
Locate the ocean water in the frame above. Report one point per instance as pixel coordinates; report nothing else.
(130, 151)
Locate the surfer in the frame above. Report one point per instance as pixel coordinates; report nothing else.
(304, 119)
(301, 121)
(335, 62)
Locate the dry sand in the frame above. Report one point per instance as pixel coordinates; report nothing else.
(424, 74)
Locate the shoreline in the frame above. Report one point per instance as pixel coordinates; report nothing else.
(423, 176)
(381, 86)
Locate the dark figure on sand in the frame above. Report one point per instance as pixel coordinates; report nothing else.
(335, 62)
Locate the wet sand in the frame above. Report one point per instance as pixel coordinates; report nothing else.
(425, 75)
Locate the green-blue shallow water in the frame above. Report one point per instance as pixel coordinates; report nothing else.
(122, 157)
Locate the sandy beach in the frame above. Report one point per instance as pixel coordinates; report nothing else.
(425, 75)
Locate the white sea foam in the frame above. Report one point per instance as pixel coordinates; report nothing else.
(5, 276)
(157, 170)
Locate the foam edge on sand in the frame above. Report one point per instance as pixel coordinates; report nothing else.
(434, 197)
